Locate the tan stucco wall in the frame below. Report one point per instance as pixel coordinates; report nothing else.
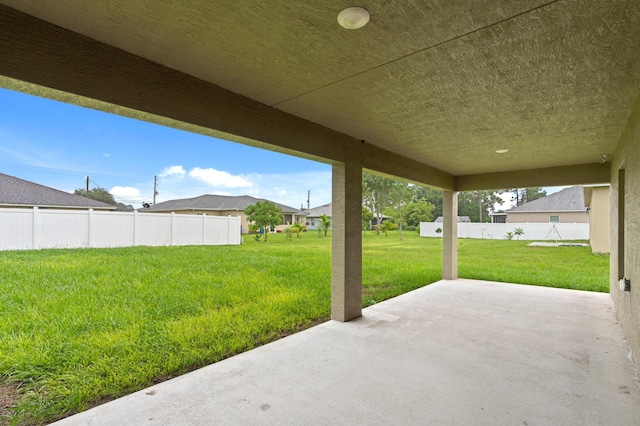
(543, 217)
(599, 219)
(627, 303)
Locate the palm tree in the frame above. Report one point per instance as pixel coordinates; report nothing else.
(325, 223)
(297, 228)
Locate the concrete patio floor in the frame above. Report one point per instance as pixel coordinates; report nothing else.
(455, 352)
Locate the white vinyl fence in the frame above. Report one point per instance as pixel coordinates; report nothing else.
(498, 231)
(27, 229)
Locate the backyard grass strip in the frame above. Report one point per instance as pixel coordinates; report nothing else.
(81, 327)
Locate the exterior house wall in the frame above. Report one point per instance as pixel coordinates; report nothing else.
(543, 217)
(625, 231)
(313, 222)
(599, 223)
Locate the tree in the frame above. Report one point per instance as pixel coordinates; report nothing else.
(264, 214)
(401, 196)
(288, 231)
(376, 193)
(120, 207)
(525, 195)
(478, 204)
(367, 217)
(297, 228)
(387, 226)
(419, 211)
(99, 194)
(518, 232)
(325, 223)
(431, 196)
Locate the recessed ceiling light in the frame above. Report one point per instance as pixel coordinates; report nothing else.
(353, 18)
(502, 151)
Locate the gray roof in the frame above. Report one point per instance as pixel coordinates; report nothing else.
(319, 211)
(215, 203)
(569, 199)
(16, 192)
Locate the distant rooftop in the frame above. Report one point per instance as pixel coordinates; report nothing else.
(214, 203)
(569, 199)
(16, 192)
(319, 211)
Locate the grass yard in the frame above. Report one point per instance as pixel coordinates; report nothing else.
(81, 327)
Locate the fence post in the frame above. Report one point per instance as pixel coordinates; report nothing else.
(204, 228)
(173, 228)
(90, 226)
(229, 229)
(135, 228)
(34, 222)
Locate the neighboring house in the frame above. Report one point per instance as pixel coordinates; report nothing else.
(566, 206)
(313, 215)
(499, 217)
(20, 193)
(596, 198)
(223, 205)
(463, 219)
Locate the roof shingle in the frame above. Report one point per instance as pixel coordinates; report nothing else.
(214, 202)
(16, 192)
(569, 199)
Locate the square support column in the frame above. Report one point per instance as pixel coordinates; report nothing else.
(346, 241)
(449, 235)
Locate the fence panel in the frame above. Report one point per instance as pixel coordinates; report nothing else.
(61, 229)
(188, 230)
(16, 229)
(153, 229)
(498, 231)
(24, 229)
(112, 229)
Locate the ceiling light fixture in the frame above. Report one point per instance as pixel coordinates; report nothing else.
(502, 151)
(353, 18)
(603, 159)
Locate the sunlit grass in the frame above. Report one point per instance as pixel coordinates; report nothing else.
(80, 327)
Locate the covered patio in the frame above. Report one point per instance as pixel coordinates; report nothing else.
(454, 352)
(460, 96)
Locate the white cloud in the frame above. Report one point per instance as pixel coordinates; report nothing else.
(106, 154)
(124, 192)
(173, 172)
(291, 189)
(218, 178)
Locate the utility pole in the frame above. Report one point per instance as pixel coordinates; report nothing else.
(155, 188)
(86, 193)
(308, 199)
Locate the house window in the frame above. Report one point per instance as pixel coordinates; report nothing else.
(554, 219)
(287, 219)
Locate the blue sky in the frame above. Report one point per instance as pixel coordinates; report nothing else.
(58, 145)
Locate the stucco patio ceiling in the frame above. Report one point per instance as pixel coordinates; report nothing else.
(446, 83)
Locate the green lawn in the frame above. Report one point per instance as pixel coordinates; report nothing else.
(80, 327)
